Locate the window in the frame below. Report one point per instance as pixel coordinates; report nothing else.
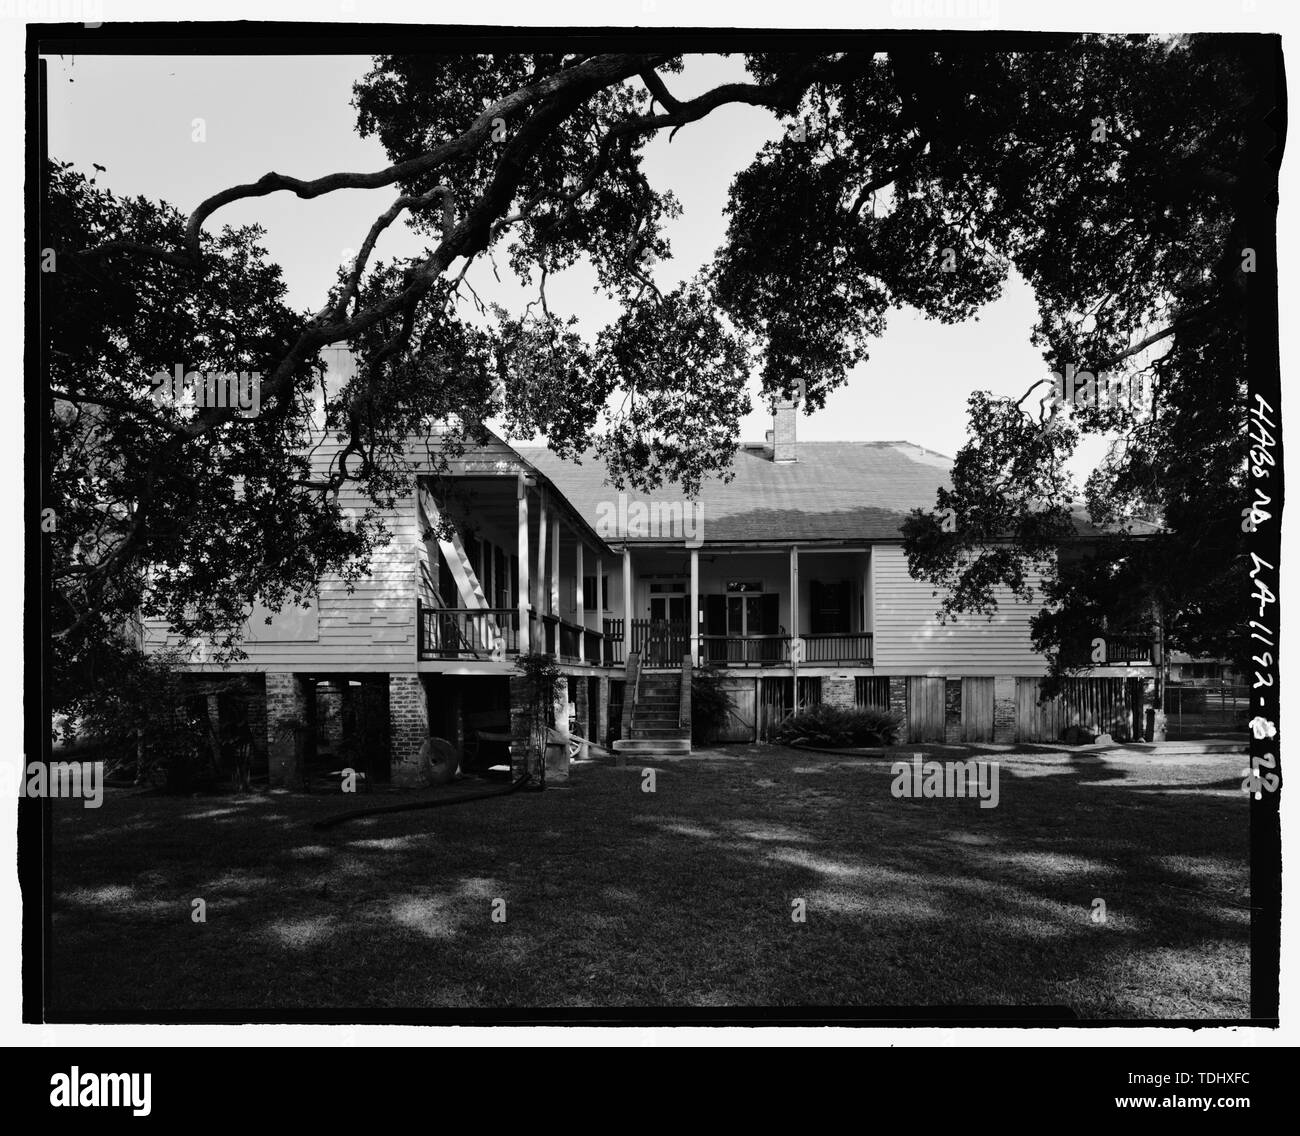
(744, 585)
(499, 587)
(871, 690)
(590, 600)
(831, 603)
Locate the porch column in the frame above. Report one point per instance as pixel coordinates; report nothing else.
(408, 727)
(542, 531)
(695, 607)
(524, 647)
(555, 572)
(600, 606)
(794, 591)
(582, 604)
(627, 603)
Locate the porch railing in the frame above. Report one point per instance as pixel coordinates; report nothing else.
(775, 650)
(613, 646)
(561, 639)
(660, 642)
(1121, 649)
(482, 633)
(466, 633)
(853, 647)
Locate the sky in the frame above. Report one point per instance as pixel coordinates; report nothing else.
(140, 116)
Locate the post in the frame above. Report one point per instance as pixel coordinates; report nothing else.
(627, 603)
(695, 607)
(542, 526)
(524, 647)
(555, 572)
(600, 606)
(582, 604)
(794, 592)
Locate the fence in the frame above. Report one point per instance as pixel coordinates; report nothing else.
(1193, 710)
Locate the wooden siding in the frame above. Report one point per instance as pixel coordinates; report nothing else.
(373, 626)
(910, 640)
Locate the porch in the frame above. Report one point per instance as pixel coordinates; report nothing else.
(491, 634)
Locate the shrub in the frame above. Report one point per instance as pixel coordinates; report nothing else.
(543, 685)
(832, 726)
(711, 705)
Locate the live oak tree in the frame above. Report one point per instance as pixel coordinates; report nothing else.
(1111, 172)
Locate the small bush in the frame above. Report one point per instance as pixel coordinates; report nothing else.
(835, 727)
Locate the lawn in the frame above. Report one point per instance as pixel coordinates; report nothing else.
(681, 897)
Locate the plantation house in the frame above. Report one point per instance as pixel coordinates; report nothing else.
(790, 579)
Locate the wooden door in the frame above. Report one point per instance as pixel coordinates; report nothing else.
(1035, 722)
(925, 709)
(977, 709)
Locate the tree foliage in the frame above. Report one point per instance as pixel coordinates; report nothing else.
(1111, 172)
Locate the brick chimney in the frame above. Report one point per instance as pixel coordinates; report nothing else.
(784, 446)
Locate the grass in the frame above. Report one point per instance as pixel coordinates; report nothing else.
(680, 897)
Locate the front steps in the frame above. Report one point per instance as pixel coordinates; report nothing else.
(655, 726)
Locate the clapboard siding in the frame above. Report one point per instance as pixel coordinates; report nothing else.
(373, 626)
(910, 640)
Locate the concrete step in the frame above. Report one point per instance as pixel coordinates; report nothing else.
(646, 747)
(673, 732)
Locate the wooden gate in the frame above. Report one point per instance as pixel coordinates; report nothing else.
(925, 709)
(743, 715)
(977, 709)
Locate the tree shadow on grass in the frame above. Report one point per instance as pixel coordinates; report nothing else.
(607, 895)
